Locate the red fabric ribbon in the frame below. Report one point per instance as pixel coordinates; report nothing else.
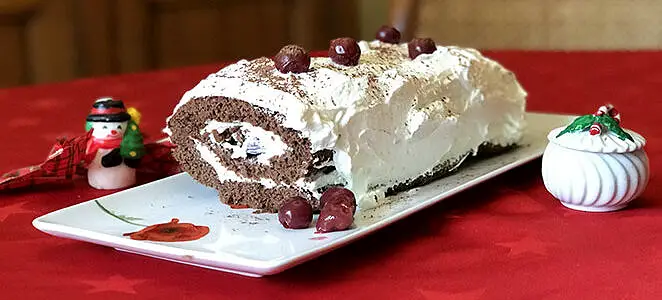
(68, 158)
(61, 165)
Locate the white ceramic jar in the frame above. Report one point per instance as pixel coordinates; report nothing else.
(595, 172)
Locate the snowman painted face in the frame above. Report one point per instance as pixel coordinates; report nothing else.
(108, 130)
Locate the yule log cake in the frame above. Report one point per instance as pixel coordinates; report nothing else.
(374, 117)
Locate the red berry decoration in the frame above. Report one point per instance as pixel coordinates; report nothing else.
(418, 46)
(595, 129)
(388, 34)
(610, 111)
(345, 51)
(615, 115)
(292, 58)
(295, 213)
(338, 207)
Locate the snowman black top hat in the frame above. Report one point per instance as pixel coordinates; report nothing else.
(108, 110)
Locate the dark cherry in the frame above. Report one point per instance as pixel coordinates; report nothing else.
(295, 213)
(292, 58)
(339, 195)
(344, 51)
(419, 46)
(338, 208)
(334, 217)
(388, 34)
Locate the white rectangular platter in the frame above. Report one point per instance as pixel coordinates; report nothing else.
(256, 244)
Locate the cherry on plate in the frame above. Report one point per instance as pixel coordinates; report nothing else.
(334, 217)
(295, 213)
(339, 195)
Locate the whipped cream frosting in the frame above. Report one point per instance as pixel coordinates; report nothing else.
(606, 142)
(390, 118)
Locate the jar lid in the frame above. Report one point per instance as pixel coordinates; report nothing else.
(607, 142)
(598, 132)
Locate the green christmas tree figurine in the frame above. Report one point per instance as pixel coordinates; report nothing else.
(132, 147)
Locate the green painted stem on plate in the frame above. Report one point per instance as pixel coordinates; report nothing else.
(122, 218)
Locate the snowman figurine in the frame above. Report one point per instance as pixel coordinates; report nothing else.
(116, 147)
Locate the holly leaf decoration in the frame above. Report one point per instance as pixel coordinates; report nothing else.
(579, 124)
(613, 126)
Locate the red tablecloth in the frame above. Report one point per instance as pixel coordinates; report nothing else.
(507, 239)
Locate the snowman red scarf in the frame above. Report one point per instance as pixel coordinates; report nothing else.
(93, 146)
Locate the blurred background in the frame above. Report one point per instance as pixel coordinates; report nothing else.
(55, 40)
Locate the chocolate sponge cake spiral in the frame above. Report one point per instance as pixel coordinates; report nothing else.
(282, 170)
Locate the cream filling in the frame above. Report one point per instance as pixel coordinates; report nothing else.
(224, 174)
(258, 141)
(387, 119)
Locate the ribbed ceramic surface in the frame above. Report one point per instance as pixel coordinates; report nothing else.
(593, 181)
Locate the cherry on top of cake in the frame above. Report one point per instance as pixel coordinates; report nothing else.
(420, 46)
(388, 34)
(376, 56)
(292, 59)
(344, 51)
(380, 65)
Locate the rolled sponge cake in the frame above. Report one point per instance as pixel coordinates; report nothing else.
(391, 123)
